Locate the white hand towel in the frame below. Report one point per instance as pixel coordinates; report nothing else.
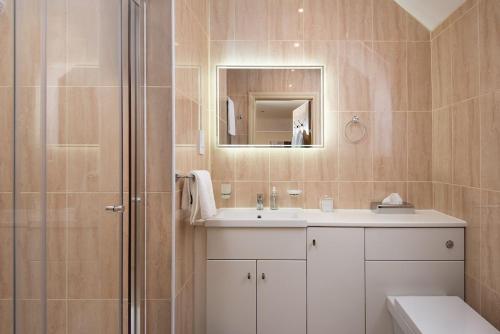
(198, 196)
(231, 117)
(393, 199)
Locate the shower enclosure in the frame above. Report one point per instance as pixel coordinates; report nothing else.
(72, 170)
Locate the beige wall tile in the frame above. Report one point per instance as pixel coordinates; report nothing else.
(7, 45)
(490, 235)
(222, 164)
(286, 165)
(453, 17)
(473, 293)
(419, 76)
(355, 160)
(6, 247)
(92, 316)
(252, 165)
(284, 19)
(158, 319)
(6, 316)
(443, 197)
(245, 193)
(442, 146)
(315, 191)
(355, 19)
(389, 21)
(222, 19)
(465, 58)
(490, 304)
(389, 88)
(390, 146)
(490, 137)
(420, 194)
(466, 127)
(287, 53)
(251, 20)
(489, 49)
(321, 19)
(356, 70)
(383, 189)
(159, 69)
(355, 195)
(419, 146)
(416, 31)
(441, 70)
(6, 138)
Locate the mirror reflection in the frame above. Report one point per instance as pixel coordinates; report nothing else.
(267, 106)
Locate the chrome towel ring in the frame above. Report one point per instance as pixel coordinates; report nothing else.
(355, 121)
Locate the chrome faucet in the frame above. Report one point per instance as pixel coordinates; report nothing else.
(260, 201)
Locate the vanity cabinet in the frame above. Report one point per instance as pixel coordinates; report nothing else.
(256, 281)
(335, 280)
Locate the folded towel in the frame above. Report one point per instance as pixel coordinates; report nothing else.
(198, 196)
(393, 199)
(231, 117)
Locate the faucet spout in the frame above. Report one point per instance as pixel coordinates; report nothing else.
(260, 201)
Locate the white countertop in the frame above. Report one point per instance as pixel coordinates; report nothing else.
(246, 217)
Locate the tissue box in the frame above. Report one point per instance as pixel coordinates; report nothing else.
(379, 207)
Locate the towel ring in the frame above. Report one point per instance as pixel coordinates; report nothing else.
(355, 121)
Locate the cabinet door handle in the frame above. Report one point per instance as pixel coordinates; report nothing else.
(263, 275)
(249, 276)
(450, 244)
(314, 242)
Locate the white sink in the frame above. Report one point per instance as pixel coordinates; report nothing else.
(249, 217)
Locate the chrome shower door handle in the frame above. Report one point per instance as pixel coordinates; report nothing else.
(115, 208)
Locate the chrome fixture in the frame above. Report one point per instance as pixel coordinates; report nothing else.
(115, 208)
(355, 121)
(179, 176)
(260, 201)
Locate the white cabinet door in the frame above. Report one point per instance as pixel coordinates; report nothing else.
(407, 278)
(231, 297)
(281, 297)
(335, 281)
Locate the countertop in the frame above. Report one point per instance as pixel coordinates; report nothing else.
(337, 218)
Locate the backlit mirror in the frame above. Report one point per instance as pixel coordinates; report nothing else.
(270, 106)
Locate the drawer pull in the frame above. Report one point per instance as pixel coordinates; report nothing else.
(249, 276)
(263, 276)
(314, 242)
(450, 244)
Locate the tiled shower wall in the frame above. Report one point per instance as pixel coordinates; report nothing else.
(466, 141)
(377, 61)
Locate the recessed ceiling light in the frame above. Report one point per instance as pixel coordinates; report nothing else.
(296, 45)
(290, 85)
(301, 10)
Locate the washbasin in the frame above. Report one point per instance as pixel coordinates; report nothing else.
(250, 217)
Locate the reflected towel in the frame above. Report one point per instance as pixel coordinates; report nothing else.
(231, 117)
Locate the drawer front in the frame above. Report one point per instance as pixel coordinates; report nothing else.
(437, 244)
(256, 243)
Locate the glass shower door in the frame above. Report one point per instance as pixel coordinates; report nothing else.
(69, 166)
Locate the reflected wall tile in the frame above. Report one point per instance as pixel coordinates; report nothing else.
(356, 70)
(489, 49)
(419, 146)
(56, 316)
(284, 199)
(245, 193)
(92, 316)
(442, 146)
(355, 160)
(420, 194)
(287, 165)
(251, 21)
(321, 19)
(252, 165)
(159, 240)
(389, 88)
(159, 69)
(383, 189)
(389, 21)
(56, 42)
(7, 45)
(157, 319)
(419, 76)
(453, 17)
(28, 54)
(6, 316)
(443, 197)
(284, 19)
(415, 30)
(466, 146)
(467, 206)
(31, 311)
(465, 58)
(159, 139)
(315, 191)
(441, 48)
(355, 195)
(6, 138)
(490, 137)
(490, 239)
(355, 19)
(390, 146)
(6, 247)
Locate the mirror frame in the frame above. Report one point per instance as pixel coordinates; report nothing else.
(270, 67)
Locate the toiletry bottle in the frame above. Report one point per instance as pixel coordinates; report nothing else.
(274, 199)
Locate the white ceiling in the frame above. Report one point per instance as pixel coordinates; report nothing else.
(430, 12)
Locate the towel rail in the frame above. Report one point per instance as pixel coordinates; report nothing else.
(179, 176)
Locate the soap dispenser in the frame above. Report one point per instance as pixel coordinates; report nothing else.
(274, 199)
